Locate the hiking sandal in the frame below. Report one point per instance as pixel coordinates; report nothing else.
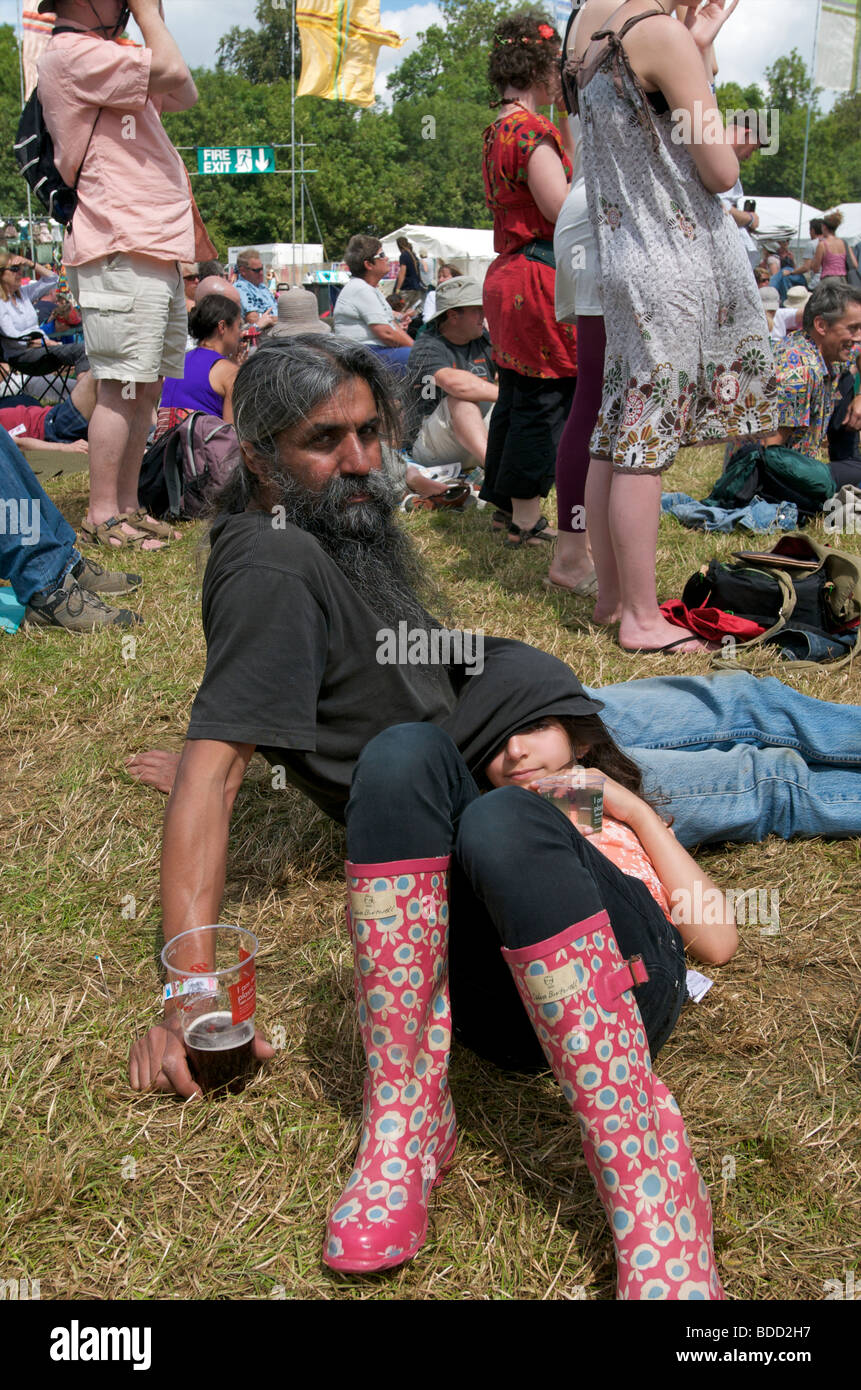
(160, 529)
(110, 531)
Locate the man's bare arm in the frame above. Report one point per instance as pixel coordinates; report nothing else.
(168, 69)
(193, 868)
(465, 386)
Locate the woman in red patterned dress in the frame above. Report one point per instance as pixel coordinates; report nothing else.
(526, 178)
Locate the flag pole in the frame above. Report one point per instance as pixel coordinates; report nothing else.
(293, 132)
(809, 110)
(21, 80)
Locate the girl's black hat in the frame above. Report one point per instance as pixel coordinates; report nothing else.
(518, 686)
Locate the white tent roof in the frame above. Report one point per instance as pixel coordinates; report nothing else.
(850, 227)
(470, 248)
(779, 217)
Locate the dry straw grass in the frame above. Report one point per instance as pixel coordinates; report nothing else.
(113, 1195)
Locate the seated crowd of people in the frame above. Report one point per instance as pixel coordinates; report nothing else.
(438, 348)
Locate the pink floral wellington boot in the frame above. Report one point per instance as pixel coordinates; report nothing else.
(399, 925)
(577, 992)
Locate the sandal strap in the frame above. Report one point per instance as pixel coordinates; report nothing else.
(142, 522)
(112, 528)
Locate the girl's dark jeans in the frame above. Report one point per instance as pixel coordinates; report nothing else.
(520, 874)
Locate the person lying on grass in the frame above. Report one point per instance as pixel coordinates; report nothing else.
(592, 931)
(308, 572)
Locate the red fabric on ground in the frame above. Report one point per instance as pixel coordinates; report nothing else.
(711, 623)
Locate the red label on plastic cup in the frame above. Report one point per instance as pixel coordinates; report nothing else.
(243, 995)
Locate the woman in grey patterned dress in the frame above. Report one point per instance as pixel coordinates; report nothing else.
(688, 359)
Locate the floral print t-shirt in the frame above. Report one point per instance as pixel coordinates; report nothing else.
(807, 392)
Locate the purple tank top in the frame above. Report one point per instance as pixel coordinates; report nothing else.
(194, 392)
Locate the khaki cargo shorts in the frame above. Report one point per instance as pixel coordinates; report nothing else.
(134, 316)
(437, 441)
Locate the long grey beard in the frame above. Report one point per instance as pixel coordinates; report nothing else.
(362, 538)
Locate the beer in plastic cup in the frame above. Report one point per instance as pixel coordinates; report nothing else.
(579, 795)
(211, 977)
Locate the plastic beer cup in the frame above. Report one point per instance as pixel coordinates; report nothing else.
(211, 978)
(579, 795)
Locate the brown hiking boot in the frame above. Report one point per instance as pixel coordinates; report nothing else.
(75, 609)
(96, 580)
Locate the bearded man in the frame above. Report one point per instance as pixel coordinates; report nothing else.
(307, 575)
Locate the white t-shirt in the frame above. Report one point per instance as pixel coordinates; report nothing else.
(18, 318)
(784, 322)
(359, 305)
(734, 198)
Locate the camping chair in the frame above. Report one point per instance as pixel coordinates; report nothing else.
(53, 375)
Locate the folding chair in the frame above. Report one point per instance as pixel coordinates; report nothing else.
(43, 378)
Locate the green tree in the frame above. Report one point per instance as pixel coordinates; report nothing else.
(452, 58)
(262, 55)
(13, 190)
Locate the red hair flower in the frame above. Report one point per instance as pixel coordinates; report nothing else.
(547, 31)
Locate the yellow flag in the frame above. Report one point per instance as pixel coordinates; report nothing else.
(340, 43)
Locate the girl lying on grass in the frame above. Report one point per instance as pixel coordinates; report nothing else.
(593, 931)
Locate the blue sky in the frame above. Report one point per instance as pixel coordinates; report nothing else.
(759, 31)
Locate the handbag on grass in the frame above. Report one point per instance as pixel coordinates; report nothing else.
(806, 597)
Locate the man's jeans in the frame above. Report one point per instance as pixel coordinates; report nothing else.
(739, 758)
(784, 281)
(37, 544)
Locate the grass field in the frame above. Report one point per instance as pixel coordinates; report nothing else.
(109, 1194)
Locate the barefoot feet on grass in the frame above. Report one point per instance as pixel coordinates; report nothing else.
(606, 614)
(658, 635)
(155, 768)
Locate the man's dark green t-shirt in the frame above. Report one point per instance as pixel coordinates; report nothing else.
(292, 660)
(431, 353)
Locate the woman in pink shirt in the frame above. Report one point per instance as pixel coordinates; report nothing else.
(832, 253)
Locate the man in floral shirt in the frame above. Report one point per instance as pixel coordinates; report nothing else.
(808, 365)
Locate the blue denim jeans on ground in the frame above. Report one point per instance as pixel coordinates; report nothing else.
(520, 874)
(44, 563)
(739, 758)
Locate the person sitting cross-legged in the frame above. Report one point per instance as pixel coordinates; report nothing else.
(451, 380)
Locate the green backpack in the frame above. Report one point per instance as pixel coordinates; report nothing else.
(775, 474)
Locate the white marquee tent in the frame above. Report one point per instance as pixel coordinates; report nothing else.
(778, 217)
(470, 248)
(280, 255)
(850, 227)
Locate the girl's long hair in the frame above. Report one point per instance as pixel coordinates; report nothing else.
(605, 754)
